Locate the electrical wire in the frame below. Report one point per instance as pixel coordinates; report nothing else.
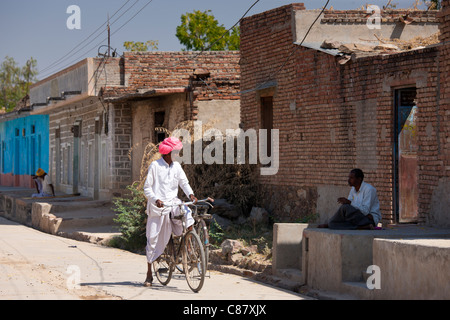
(271, 76)
(296, 47)
(96, 45)
(67, 54)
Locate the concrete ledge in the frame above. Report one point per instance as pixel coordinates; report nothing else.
(337, 260)
(413, 268)
(75, 217)
(43, 220)
(287, 245)
(287, 251)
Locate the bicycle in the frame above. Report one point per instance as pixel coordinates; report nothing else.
(189, 252)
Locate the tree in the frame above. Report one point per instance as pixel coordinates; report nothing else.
(201, 31)
(435, 5)
(15, 81)
(141, 46)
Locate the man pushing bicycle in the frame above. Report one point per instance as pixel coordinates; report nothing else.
(160, 188)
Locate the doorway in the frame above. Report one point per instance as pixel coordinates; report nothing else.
(267, 121)
(406, 189)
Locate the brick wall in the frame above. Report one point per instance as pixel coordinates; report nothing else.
(387, 16)
(440, 199)
(375, 79)
(121, 127)
(152, 70)
(335, 117)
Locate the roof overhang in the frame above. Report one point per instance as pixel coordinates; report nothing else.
(142, 95)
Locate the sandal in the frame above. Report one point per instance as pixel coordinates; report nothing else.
(148, 282)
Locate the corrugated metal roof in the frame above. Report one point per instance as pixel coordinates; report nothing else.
(316, 46)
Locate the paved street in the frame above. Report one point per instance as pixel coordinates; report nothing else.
(36, 265)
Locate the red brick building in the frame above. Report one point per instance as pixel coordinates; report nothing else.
(163, 89)
(103, 112)
(384, 111)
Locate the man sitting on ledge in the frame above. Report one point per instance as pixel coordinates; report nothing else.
(361, 210)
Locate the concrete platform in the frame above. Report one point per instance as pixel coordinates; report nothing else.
(412, 262)
(71, 216)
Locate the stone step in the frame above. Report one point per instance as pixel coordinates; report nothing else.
(98, 235)
(294, 275)
(358, 289)
(51, 218)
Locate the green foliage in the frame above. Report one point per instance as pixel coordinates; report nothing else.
(15, 81)
(309, 218)
(150, 45)
(131, 217)
(216, 234)
(201, 31)
(435, 5)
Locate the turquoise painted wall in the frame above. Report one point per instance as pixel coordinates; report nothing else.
(24, 145)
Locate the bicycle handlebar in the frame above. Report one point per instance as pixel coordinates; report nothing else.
(191, 203)
(186, 203)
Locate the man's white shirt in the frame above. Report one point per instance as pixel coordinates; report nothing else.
(162, 184)
(366, 200)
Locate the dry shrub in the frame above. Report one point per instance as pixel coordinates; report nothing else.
(414, 42)
(234, 182)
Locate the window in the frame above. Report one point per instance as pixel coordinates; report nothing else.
(159, 122)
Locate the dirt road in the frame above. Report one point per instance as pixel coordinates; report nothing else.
(36, 265)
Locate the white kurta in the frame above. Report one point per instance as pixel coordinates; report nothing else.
(162, 184)
(366, 200)
(43, 185)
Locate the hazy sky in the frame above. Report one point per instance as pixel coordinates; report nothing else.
(38, 28)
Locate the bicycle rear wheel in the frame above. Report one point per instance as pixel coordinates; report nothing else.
(163, 266)
(194, 261)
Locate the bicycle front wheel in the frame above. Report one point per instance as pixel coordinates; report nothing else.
(163, 266)
(202, 231)
(194, 263)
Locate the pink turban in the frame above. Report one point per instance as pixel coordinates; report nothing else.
(170, 144)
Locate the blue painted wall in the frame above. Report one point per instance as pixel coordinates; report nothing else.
(24, 145)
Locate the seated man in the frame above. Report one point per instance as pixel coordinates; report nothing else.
(43, 184)
(361, 210)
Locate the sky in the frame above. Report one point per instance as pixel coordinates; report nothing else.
(38, 28)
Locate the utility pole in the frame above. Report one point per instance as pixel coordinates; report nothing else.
(109, 39)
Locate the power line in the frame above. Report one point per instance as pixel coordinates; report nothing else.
(96, 45)
(292, 51)
(271, 76)
(92, 48)
(132, 17)
(67, 54)
(105, 56)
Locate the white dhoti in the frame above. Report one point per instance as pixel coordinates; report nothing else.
(160, 228)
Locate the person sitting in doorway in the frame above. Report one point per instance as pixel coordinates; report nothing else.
(361, 210)
(43, 185)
